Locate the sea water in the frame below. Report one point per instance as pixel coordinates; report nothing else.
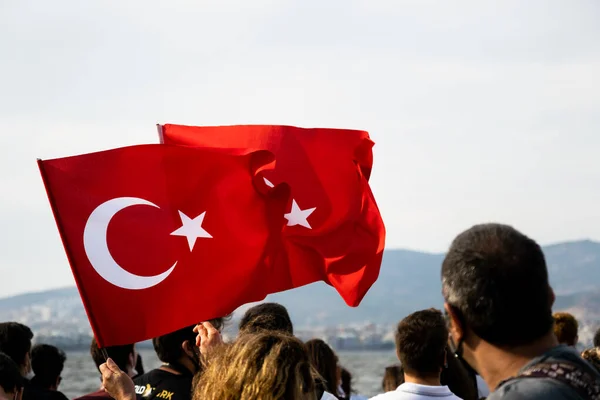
(80, 375)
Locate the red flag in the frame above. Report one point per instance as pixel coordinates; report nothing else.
(160, 237)
(334, 229)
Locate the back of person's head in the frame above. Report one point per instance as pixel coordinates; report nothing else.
(11, 380)
(593, 357)
(47, 363)
(15, 342)
(266, 317)
(566, 328)
(495, 280)
(421, 343)
(263, 366)
(597, 338)
(170, 347)
(325, 362)
(392, 378)
(123, 355)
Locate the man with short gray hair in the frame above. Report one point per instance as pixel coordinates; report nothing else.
(499, 303)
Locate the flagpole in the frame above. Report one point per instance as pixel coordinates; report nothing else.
(161, 136)
(65, 243)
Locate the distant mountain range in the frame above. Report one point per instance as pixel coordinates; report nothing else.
(408, 281)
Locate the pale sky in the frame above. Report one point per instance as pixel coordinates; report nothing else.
(481, 110)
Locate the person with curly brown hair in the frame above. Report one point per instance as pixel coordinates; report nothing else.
(592, 356)
(261, 366)
(566, 328)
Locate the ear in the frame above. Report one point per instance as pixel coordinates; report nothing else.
(28, 362)
(187, 348)
(551, 297)
(456, 329)
(132, 360)
(446, 358)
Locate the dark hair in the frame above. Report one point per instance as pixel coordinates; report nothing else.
(168, 347)
(565, 328)
(392, 378)
(325, 362)
(346, 384)
(597, 338)
(267, 317)
(119, 354)
(496, 280)
(47, 363)
(11, 380)
(15, 341)
(421, 340)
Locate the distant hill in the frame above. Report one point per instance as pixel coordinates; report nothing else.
(408, 281)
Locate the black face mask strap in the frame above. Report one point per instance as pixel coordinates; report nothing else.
(458, 353)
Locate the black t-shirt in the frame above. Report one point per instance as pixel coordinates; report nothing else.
(159, 384)
(34, 393)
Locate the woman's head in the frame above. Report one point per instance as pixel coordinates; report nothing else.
(392, 378)
(592, 356)
(270, 366)
(325, 362)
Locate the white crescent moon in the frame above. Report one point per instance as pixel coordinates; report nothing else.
(96, 247)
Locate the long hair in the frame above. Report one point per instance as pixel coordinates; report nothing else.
(392, 378)
(324, 360)
(346, 384)
(262, 366)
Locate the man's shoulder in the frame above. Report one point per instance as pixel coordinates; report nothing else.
(413, 392)
(100, 394)
(33, 393)
(533, 388)
(384, 396)
(163, 384)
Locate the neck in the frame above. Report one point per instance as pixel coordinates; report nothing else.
(422, 380)
(131, 371)
(184, 362)
(508, 361)
(4, 395)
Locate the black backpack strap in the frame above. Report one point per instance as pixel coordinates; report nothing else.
(587, 385)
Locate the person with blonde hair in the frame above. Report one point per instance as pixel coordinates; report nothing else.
(261, 366)
(592, 356)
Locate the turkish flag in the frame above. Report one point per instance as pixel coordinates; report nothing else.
(334, 230)
(161, 237)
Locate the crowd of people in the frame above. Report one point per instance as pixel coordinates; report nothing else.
(495, 338)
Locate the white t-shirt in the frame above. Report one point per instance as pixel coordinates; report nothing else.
(328, 396)
(482, 388)
(352, 396)
(414, 391)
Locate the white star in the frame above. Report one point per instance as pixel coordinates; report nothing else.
(192, 229)
(297, 216)
(268, 183)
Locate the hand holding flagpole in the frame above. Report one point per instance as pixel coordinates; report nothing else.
(116, 382)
